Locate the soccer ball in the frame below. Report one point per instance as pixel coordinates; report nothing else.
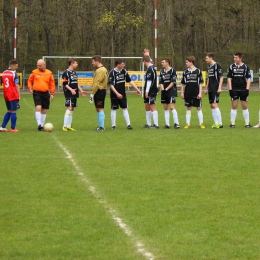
(48, 127)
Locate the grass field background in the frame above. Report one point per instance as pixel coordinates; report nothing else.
(180, 194)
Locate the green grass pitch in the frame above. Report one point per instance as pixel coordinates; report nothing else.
(129, 194)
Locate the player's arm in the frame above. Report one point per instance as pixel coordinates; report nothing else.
(170, 86)
(182, 90)
(148, 86)
(135, 87)
(115, 91)
(30, 82)
(200, 91)
(248, 83)
(229, 79)
(220, 84)
(206, 87)
(83, 93)
(16, 81)
(52, 86)
(97, 81)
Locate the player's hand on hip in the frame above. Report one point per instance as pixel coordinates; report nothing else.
(91, 98)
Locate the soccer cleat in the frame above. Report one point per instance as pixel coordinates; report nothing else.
(14, 130)
(114, 127)
(3, 129)
(71, 129)
(146, 126)
(176, 126)
(215, 126)
(202, 126)
(155, 126)
(248, 126)
(40, 128)
(232, 126)
(220, 126)
(65, 129)
(186, 126)
(129, 127)
(100, 129)
(256, 126)
(166, 127)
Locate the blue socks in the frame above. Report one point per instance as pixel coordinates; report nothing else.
(13, 120)
(6, 119)
(101, 119)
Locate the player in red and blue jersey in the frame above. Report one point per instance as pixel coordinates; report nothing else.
(11, 95)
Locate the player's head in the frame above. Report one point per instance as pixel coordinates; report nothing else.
(73, 63)
(147, 60)
(209, 57)
(120, 63)
(238, 57)
(41, 65)
(96, 60)
(190, 60)
(165, 62)
(13, 64)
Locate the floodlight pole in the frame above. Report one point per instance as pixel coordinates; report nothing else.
(155, 31)
(15, 27)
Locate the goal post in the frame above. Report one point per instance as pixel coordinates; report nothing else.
(85, 77)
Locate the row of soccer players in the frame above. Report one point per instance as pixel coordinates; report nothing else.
(42, 85)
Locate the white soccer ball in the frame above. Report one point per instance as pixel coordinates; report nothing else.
(48, 127)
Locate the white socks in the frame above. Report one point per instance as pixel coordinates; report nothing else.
(167, 117)
(246, 116)
(188, 116)
(200, 116)
(113, 117)
(148, 117)
(126, 116)
(40, 118)
(175, 116)
(68, 118)
(233, 115)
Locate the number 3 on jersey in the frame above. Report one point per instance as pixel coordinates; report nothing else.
(7, 83)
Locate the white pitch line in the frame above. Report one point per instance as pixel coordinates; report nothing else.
(126, 229)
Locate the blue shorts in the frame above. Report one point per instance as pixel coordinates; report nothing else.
(12, 105)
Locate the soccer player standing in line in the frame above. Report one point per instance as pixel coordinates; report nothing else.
(100, 81)
(71, 92)
(11, 95)
(150, 92)
(167, 82)
(239, 84)
(117, 78)
(213, 88)
(191, 90)
(42, 85)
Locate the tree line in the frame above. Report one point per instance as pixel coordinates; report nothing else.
(124, 28)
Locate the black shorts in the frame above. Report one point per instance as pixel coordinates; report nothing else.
(99, 98)
(192, 102)
(150, 100)
(166, 98)
(71, 102)
(213, 97)
(41, 99)
(242, 95)
(115, 103)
